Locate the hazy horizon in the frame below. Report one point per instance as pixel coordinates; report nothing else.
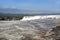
(30, 6)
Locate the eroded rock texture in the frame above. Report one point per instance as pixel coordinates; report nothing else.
(29, 31)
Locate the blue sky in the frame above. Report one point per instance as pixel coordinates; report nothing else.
(37, 5)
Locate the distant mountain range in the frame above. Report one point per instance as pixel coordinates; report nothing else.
(20, 11)
(12, 10)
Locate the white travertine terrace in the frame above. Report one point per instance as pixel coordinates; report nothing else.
(18, 30)
(40, 17)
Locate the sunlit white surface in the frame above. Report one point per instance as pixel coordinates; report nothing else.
(26, 18)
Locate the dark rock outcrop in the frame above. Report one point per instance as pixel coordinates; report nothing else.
(3, 39)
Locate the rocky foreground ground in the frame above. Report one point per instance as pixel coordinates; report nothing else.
(18, 32)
